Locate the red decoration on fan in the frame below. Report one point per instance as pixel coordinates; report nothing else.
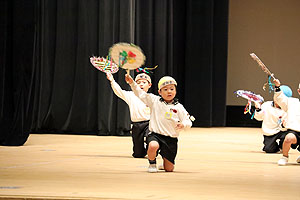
(250, 96)
(104, 65)
(132, 55)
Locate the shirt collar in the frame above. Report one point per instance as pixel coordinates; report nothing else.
(174, 102)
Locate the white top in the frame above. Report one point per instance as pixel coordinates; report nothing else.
(139, 111)
(164, 116)
(292, 107)
(271, 118)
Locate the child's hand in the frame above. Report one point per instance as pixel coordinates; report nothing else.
(276, 82)
(128, 79)
(109, 76)
(179, 126)
(257, 105)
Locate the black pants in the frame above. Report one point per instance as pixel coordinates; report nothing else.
(270, 142)
(140, 130)
(167, 145)
(271, 145)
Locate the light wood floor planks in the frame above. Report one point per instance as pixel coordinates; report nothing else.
(212, 163)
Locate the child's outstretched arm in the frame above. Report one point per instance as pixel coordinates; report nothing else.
(276, 82)
(145, 97)
(116, 88)
(279, 97)
(109, 76)
(128, 79)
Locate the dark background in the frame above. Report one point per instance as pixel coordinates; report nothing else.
(49, 86)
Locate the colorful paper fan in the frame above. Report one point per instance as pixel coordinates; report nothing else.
(262, 65)
(104, 65)
(250, 96)
(127, 56)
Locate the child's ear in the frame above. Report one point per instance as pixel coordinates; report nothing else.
(159, 92)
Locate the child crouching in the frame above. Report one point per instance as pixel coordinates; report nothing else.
(167, 118)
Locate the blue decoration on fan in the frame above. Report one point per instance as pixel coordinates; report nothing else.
(145, 69)
(252, 116)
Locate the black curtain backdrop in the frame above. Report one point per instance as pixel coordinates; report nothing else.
(16, 56)
(49, 86)
(72, 96)
(206, 61)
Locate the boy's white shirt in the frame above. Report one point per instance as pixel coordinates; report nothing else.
(164, 117)
(139, 111)
(292, 107)
(271, 118)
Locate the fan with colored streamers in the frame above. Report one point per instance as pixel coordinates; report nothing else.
(251, 97)
(262, 65)
(127, 56)
(266, 70)
(104, 65)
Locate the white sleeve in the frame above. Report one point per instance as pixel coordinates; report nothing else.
(281, 100)
(184, 118)
(145, 97)
(259, 115)
(118, 91)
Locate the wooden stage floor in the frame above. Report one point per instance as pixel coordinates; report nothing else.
(212, 163)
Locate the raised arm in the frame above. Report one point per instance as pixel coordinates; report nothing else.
(279, 97)
(145, 97)
(116, 87)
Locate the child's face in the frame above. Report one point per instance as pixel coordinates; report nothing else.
(168, 93)
(143, 84)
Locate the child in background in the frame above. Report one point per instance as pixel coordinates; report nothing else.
(292, 107)
(272, 117)
(139, 112)
(168, 117)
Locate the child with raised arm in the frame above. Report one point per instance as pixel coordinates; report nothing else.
(292, 107)
(168, 117)
(272, 117)
(139, 112)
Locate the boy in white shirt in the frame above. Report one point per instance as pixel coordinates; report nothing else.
(139, 112)
(292, 107)
(168, 117)
(272, 117)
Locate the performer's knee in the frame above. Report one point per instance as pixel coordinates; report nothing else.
(153, 145)
(290, 138)
(169, 168)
